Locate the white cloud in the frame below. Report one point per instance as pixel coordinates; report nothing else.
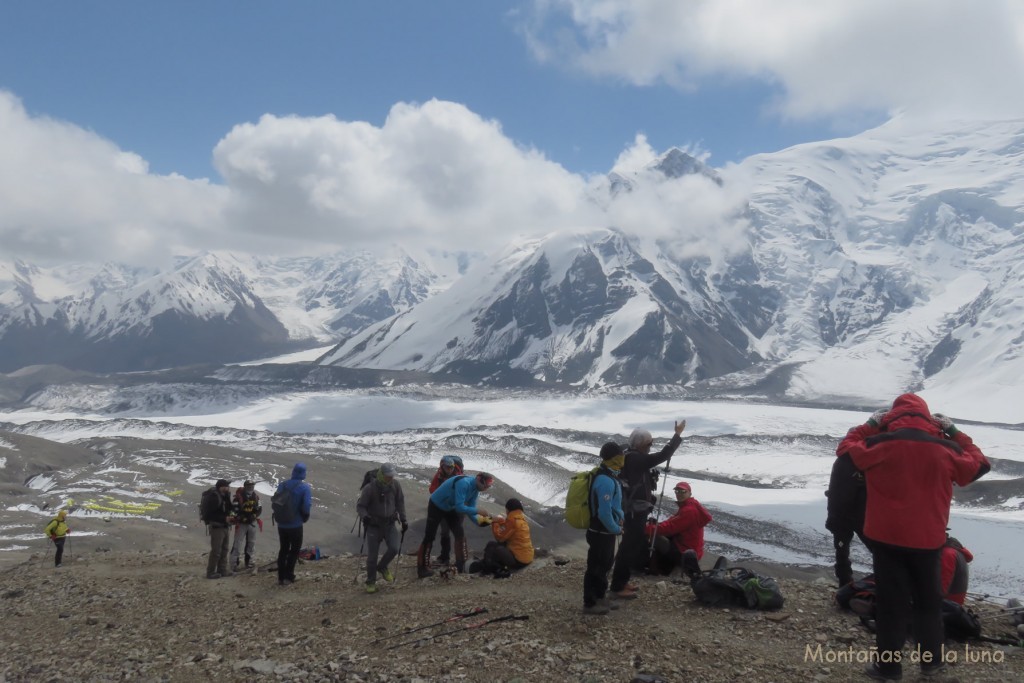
(941, 58)
(69, 194)
(433, 175)
(435, 172)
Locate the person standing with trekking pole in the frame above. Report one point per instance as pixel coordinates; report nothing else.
(381, 504)
(637, 502)
(58, 531)
(605, 501)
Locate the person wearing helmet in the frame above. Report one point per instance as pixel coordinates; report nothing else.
(679, 540)
(450, 466)
(453, 500)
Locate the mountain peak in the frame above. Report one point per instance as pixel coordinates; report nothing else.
(676, 163)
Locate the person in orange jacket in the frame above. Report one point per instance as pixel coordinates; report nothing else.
(512, 547)
(679, 540)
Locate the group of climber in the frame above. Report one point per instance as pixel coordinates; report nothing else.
(453, 498)
(891, 486)
(622, 500)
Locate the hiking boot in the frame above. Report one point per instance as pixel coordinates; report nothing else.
(371, 588)
(610, 604)
(284, 582)
(624, 594)
(872, 671)
(386, 575)
(442, 559)
(423, 572)
(503, 574)
(211, 576)
(631, 587)
(597, 609)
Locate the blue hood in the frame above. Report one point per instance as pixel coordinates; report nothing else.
(299, 471)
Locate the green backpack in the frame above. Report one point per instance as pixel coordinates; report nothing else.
(577, 501)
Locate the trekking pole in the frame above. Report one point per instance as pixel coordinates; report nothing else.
(661, 498)
(479, 624)
(455, 617)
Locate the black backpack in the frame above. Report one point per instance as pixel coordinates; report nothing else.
(737, 587)
(368, 477)
(208, 504)
(284, 510)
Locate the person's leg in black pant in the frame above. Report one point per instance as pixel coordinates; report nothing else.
(288, 554)
(841, 542)
(600, 558)
(59, 545)
(634, 543)
(926, 593)
(892, 606)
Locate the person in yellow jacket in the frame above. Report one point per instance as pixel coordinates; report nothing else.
(512, 547)
(58, 531)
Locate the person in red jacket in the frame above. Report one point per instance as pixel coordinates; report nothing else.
(910, 459)
(450, 466)
(679, 540)
(955, 573)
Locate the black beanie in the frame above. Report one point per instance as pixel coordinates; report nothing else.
(221, 482)
(513, 504)
(610, 450)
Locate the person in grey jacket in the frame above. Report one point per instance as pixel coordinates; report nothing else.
(381, 504)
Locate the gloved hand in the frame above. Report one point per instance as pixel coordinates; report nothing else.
(53, 537)
(367, 520)
(877, 417)
(405, 527)
(483, 520)
(946, 424)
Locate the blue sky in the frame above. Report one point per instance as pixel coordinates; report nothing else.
(286, 106)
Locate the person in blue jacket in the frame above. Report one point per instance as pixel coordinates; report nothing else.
(453, 500)
(606, 520)
(289, 529)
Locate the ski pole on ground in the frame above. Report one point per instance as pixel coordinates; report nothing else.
(479, 624)
(455, 617)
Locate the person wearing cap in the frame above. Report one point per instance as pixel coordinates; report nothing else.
(217, 514)
(453, 500)
(57, 530)
(605, 525)
(679, 540)
(637, 502)
(512, 547)
(247, 521)
(450, 466)
(381, 505)
(289, 533)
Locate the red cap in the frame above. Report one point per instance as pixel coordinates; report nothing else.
(683, 485)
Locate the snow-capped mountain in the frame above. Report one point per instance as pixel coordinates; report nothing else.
(870, 265)
(596, 308)
(216, 307)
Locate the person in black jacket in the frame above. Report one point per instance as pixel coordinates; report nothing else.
(847, 499)
(637, 502)
(217, 513)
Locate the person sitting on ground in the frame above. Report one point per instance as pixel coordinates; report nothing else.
(217, 512)
(381, 504)
(955, 573)
(247, 512)
(450, 466)
(847, 499)
(512, 547)
(605, 526)
(450, 502)
(679, 540)
(58, 531)
(637, 502)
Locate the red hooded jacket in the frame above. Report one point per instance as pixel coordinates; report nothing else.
(686, 527)
(910, 469)
(954, 559)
